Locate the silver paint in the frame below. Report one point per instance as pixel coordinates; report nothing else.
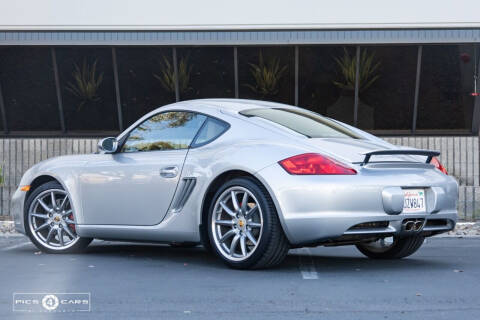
(129, 196)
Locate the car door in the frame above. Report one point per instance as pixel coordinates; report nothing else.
(136, 185)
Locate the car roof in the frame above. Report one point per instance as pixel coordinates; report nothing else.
(232, 105)
(212, 105)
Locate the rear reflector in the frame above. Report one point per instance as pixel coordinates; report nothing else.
(315, 164)
(438, 165)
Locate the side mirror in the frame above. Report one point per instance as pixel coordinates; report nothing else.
(108, 145)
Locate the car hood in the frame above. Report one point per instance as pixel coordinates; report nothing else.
(353, 150)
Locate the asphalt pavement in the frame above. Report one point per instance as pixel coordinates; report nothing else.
(151, 281)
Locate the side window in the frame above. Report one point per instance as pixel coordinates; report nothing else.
(164, 131)
(212, 129)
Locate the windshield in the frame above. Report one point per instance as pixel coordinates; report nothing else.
(303, 122)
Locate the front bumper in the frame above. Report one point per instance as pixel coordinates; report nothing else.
(17, 209)
(318, 209)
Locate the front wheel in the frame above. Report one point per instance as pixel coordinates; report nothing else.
(391, 247)
(244, 228)
(50, 221)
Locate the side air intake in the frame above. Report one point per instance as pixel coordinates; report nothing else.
(186, 188)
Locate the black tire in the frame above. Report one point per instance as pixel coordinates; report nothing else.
(273, 245)
(81, 243)
(401, 248)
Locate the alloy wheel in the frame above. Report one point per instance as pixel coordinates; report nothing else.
(237, 223)
(52, 221)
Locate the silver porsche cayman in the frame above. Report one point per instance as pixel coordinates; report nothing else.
(247, 179)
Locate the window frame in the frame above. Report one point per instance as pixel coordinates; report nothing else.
(124, 138)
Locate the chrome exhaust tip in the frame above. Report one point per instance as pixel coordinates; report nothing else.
(408, 226)
(418, 225)
(413, 225)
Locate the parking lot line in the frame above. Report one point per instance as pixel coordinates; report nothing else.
(307, 265)
(16, 246)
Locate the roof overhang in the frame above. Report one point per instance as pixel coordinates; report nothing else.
(245, 15)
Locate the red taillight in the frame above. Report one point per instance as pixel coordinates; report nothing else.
(313, 164)
(438, 165)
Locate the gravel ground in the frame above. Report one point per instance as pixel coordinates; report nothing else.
(7, 228)
(463, 229)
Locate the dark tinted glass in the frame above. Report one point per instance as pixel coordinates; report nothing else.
(387, 89)
(205, 72)
(306, 123)
(325, 86)
(267, 73)
(1, 123)
(86, 80)
(445, 100)
(28, 88)
(212, 129)
(164, 131)
(143, 74)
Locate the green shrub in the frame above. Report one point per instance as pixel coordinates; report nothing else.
(167, 74)
(368, 70)
(86, 84)
(267, 75)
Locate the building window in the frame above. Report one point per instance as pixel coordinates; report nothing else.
(446, 84)
(2, 129)
(206, 72)
(267, 73)
(324, 83)
(387, 87)
(145, 78)
(87, 84)
(28, 89)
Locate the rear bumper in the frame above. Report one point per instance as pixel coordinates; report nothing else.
(316, 209)
(322, 227)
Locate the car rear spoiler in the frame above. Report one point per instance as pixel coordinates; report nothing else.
(415, 152)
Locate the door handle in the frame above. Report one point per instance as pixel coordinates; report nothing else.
(169, 172)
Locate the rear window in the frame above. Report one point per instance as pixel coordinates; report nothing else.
(303, 122)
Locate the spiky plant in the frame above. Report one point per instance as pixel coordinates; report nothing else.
(368, 70)
(267, 76)
(167, 74)
(86, 83)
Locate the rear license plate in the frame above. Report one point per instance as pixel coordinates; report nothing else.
(414, 200)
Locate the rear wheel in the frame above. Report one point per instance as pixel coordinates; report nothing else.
(392, 247)
(50, 221)
(244, 228)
